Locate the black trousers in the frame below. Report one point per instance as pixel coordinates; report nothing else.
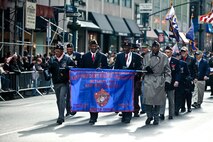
(179, 98)
(94, 116)
(187, 96)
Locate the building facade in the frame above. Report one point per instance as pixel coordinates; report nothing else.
(108, 21)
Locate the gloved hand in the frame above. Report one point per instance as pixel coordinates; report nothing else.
(149, 70)
(167, 86)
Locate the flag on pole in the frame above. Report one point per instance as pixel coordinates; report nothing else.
(207, 18)
(173, 24)
(190, 35)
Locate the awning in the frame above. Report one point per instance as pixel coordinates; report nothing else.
(44, 11)
(86, 24)
(183, 37)
(133, 27)
(102, 22)
(151, 34)
(118, 25)
(3, 4)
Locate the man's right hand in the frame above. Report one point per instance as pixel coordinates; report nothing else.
(149, 70)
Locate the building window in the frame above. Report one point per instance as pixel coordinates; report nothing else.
(127, 3)
(113, 1)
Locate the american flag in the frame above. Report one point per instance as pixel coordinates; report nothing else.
(207, 18)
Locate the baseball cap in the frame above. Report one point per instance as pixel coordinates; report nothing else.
(198, 52)
(184, 48)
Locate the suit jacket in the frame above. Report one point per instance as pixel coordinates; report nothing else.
(100, 61)
(135, 64)
(175, 71)
(76, 58)
(191, 65)
(203, 69)
(184, 71)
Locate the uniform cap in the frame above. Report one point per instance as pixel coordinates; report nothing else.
(168, 48)
(155, 44)
(70, 45)
(198, 52)
(93, 41)
(59, 46)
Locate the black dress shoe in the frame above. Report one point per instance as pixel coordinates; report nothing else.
(170, 117)
(161, 117)
(142, 112)
(127, 121)
(176, 113)
(194, 105)
(92, 121)
(189, 110)
(148, 120)
(72, 113)
(155, 122)
(183, 110)
(60, 121)
(136, 115)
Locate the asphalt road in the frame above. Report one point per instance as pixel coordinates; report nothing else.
(34, 120)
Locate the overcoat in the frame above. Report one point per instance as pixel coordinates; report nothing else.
(154, 84)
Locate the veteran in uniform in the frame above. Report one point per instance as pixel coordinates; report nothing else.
(59, 67)
(129, 61)
(156, 80)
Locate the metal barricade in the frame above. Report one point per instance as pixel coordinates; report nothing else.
(26, 81)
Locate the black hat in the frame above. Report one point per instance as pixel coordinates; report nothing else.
(135, 46)
(59, 46)
(168, 48)
(155, 44)
(126, 44)
(93, 41)
(70, 45)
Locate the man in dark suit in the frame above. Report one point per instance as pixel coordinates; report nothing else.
(129, 61)
(183, 84)
(193, 71)
(170, 90)
(94, 59)
(76, 57)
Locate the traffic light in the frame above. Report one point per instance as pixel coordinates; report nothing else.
(73, 26)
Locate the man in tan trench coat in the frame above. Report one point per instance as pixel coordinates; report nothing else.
(156, 80)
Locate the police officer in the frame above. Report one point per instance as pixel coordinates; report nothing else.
(58, 66)
(94, 59)
(130, 61)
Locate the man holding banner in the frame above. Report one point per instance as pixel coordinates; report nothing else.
(128, 60)
(94, 59)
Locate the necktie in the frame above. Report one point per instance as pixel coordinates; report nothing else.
(126, 57)
(93, 57)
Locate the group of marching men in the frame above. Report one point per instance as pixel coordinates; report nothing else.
(164, 75)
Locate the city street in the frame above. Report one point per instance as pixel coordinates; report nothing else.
(34, 120)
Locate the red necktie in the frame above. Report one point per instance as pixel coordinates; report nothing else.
(126, 57)
(93, 57)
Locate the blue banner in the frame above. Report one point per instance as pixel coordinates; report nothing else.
(101, 90)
